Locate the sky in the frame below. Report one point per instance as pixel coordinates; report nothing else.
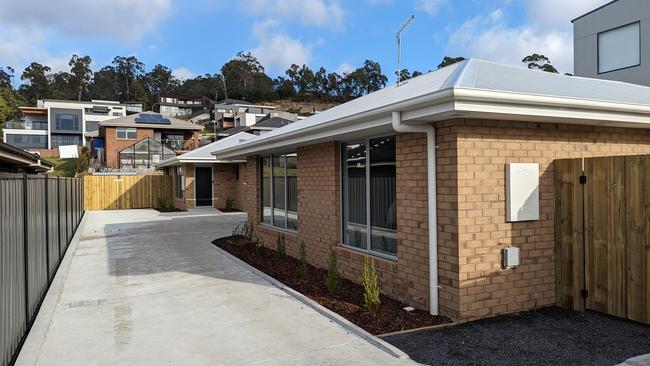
(194, 37)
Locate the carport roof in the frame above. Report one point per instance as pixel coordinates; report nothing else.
(469, 89)
(204, 153)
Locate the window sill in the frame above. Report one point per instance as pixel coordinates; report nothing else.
(365, 252)
(287, 231)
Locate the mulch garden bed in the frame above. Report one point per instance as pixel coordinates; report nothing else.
(227, 210)
(169, 210)
(348, 299)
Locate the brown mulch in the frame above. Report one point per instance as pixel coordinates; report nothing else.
(169, 210)
(226, 210)
(348, 299)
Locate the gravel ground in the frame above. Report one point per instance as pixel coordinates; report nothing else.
(549, 336)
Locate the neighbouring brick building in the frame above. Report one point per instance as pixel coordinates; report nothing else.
(141, 141)
(357, 178)
(200, 180)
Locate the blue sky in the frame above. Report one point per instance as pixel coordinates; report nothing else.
(197, 36)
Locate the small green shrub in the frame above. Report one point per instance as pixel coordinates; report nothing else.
(258, 246)
(303, 259)
(230, 203)
(83, 161)
(280, 248)
(333, 277)
(164, 204)
(247, 231)
(235, 231)
(370, 286)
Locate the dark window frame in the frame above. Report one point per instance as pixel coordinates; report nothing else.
(598, 48)
(343, 196)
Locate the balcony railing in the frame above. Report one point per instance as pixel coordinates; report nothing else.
(180, 145)
(20, 125)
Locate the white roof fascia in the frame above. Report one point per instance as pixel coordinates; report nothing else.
(373, 118)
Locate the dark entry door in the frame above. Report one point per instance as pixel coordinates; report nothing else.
(203, 186)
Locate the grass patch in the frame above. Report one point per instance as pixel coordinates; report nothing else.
(64, 167)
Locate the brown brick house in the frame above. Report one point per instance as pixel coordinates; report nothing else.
(151, 137)
(371, 176)
(201, 180)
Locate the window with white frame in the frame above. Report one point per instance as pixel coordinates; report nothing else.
(619, 48)
(280, 190)
(369, 195)
(126, 133)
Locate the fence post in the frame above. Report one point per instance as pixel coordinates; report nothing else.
(58, 214)
(26, 247)
(67, 224)
(47, 230)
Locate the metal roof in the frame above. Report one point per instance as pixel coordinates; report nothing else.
(205, 153)
(470, 89)
(129, 121)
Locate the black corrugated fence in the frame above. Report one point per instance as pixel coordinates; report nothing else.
(38, 218)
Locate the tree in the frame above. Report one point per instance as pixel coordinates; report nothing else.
(539, 62)
(245, 78)
(127, 69)
(303, 80)
(283, 88)
(6, 76)
(404, 74)
(81, 75)
(61, 86)
(105, 84)
(160, 80)
(35, 82)
(370, 77)
(446, 61)
(10, 100)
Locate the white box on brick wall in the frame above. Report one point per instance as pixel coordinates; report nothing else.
(522, 192)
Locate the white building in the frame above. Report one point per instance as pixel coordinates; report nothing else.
(53, 123)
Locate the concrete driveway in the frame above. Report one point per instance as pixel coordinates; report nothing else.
(144, 288)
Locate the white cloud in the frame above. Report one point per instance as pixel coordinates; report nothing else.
(345, 68)
(309, 13)
(183, 73)
(121, 20)
(19, 47)
(276, 50)
(431, 7)
(548, 31)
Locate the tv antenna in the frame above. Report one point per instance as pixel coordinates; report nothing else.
(398, 35)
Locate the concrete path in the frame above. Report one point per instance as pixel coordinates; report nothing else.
(144, 288)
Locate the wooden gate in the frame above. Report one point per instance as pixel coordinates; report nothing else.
(602, 235)
(123, 192)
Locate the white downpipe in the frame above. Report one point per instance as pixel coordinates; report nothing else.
(398, 126)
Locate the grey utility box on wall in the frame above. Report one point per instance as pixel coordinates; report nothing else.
(510, 258)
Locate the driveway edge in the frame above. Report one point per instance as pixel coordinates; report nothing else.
(30, 351)
(344, 323)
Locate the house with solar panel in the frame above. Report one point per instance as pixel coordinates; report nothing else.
(140, 141)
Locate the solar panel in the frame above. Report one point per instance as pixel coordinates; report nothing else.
(155, 119)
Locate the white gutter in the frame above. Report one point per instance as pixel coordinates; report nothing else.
(398, 126)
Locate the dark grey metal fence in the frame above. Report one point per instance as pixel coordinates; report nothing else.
(38, 218)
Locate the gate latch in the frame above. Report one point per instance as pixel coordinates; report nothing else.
(585, 293)
(583, 179)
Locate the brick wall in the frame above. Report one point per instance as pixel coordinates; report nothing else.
(405, 279)
(226, 185)
(113, 145)
(483, 149)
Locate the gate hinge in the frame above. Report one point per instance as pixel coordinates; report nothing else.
(585, 293)
(583, 179)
